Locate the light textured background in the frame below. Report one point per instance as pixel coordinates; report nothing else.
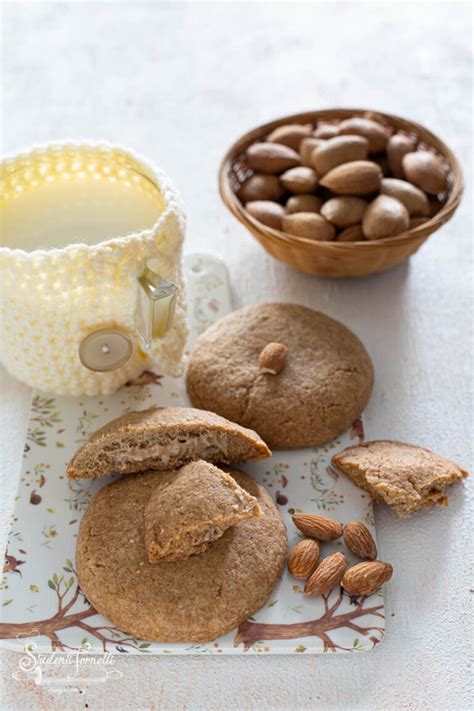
(179, 82)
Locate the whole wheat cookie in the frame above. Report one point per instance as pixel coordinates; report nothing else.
(191, 508)
(192, 600)
(405, 477)
(163, 438)
(302, 394)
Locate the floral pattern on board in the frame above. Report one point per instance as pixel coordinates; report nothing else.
(39, 593)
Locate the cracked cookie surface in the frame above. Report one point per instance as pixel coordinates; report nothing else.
(192, 600)
(323, 388)
(405, 477)
(192, 507)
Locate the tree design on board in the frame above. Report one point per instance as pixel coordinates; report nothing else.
(68, 593)
(250, 632)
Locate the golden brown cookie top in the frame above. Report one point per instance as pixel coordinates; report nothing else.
(295, 375)
(192, 507)
(192, 600)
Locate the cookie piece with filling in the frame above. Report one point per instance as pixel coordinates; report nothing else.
(192, 508)
(405, 477)
(164, 438)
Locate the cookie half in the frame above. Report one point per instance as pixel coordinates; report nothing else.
(323, 386)
(163, 438)
(193, 600)
(192, 507)
(405, 477)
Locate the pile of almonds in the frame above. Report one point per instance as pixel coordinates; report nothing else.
(322, 576)
(348, 180)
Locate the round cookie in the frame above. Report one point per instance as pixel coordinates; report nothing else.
(322, 389)
(193, 600)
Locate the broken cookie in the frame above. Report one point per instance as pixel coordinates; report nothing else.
(163, 438)
(405, 477)
(192, 508)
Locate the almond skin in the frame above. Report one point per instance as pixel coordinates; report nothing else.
(366, 578)
(273, 358)
(413, 198)
(351, 234)
(338, 150)
(374, 132)
(328, 573)
(326, 130)
(307, 147)
(304, 203)
(304, 559)
(385, 217)
(358, 539)
(320, 527)
(299, 180)
(426, 171)
(344, 211)
(309, 225)
(260, 187)
(267, 212)
(397, 147)
(271, 158)
(359, 177)
(290, 135)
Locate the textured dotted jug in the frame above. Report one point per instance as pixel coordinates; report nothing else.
(90, 264)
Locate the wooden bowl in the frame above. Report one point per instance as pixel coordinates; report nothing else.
(338, 259)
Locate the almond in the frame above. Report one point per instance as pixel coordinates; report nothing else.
(307, 147)
(299, 180)
(290, 135)
(260, 187)
(271, 157)
(304, 203)
(358, 539)
(327, 575)
(304, 558)
(351, 234)
(366, 578)
(273, 358)
(320, 527)
(326, 130)
(360, 177)
(385, 217)
(376, 134)
(338, 150)
(413, 198)
(426, 170)
(397, 147)
(344, 211)
(308, 225)
(267, 212)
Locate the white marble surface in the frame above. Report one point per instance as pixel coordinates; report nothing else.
(179, 82)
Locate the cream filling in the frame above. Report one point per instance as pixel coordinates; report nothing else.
(201, 446)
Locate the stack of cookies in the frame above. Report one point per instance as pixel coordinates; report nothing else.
(182, 550)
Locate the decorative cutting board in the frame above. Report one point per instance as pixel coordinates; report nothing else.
(40, 597)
